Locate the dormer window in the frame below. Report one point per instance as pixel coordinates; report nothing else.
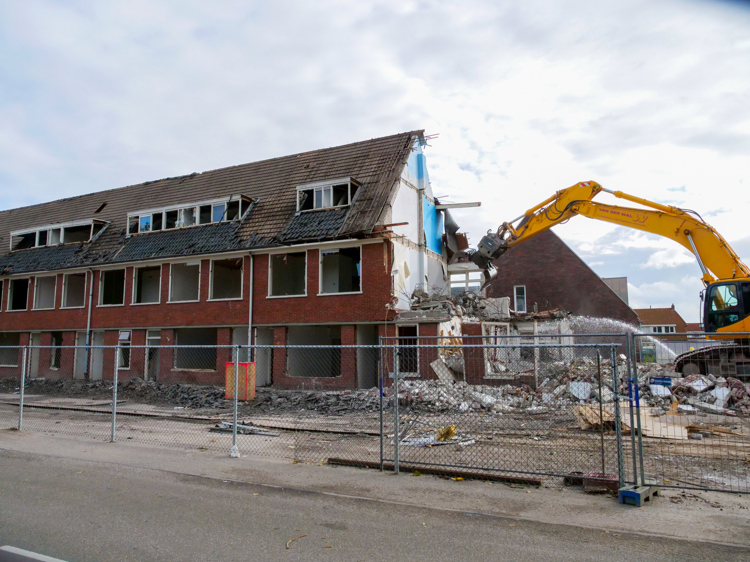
(326, 194)
(193, 214)
(53, 235)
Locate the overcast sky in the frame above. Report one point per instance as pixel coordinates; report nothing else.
(650, 97)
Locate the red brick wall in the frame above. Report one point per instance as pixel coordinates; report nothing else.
(555, 277)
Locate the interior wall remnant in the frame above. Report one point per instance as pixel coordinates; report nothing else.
(201, 351)
(367, 357)
(226, 279)
(147, 285)
(239, 337)
(74, 290)
(44, 292)
(9, 351)
(112, 287)
(264, 356)
(288, 274)
(322, 359)
(341, 270)
(19, 294)
(185, 282)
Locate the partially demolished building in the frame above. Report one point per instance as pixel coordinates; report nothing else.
(318, 248)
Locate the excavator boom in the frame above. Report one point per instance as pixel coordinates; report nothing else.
(720, 265)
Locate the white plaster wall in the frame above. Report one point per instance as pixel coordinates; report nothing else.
(406, 209)
(436, 280)
(405, 273)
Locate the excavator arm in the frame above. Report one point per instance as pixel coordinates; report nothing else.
(716, 258)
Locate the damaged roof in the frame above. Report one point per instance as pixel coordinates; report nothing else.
(376, 164)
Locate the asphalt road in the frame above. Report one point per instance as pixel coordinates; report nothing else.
(84, 511)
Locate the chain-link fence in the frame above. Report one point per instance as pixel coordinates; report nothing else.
(541, 409)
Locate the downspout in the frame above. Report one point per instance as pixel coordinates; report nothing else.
(88, 324)
(250, 357)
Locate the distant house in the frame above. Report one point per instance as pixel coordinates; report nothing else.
(544, 272)
(665, 321)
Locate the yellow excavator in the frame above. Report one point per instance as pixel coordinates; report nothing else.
(726, 306)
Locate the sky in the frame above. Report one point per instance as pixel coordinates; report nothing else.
(526, 98)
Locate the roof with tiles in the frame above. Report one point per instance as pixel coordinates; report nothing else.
(376, 164)
(660, 317)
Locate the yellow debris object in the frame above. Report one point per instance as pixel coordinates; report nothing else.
(447, 433)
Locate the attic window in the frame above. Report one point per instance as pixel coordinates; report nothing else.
(194, 214)
(52, 235)
(326, 195)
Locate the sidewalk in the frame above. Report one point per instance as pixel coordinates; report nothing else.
(699, 516)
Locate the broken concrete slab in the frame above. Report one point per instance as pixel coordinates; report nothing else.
(660, 391)
(580, 390)
(442, 371)
(722, 396)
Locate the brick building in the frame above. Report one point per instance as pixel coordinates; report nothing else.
(318, 248)
(545, 271)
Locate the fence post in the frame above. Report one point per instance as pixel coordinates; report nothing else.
(380, 396)
(396, 430)
(114, 393)
(24, 355)
(631, 361)
(234, 452)
(638, 421)
(618, 421)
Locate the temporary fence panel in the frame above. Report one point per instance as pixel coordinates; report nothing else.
(693, 412)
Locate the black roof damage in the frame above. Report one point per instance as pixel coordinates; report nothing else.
(376, 164)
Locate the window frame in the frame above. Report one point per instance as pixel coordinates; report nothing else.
(123, 343)
(9, 292)
(16, 347)
(270, 276)
(64, 288)
(36, 292)
(135, 283)
(170, 300)
(49, 228)
(328, 185)
(101, 284)
(321, 251)
(195, 206)
(211, 280)
(525, 299)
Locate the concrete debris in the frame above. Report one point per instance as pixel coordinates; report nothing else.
(580, 390)
(245, 428)
(698, 383)
(659, 391)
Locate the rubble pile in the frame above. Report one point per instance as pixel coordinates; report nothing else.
(323, 402)
(185, 395)
(700, 393)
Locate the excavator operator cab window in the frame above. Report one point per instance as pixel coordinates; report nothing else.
(727, 304)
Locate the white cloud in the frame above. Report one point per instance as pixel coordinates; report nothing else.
(673, 257)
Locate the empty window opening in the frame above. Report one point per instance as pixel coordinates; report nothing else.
(321, 360)
(205, 214)
(123, 350)
(288, 274)
(519, 296)
(147, 285)
(77, 233)
(23, 241)
(74, 290)
(112, 287)
(185, 282)
(18, 294)
(226, 279)
(41, 239)
(55, 237)
(408, 352)
(170, 219)
(200, 353)
(55, 354)
(341, 270)
(9, 344)
(188, 217)
(44, 292)
(233, 210)
(156, 221)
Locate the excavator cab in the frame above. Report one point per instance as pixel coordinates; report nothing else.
(727, 303)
